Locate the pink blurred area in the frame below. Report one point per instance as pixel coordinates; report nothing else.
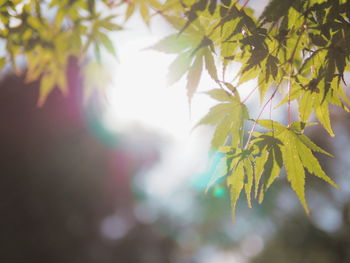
(62, 186)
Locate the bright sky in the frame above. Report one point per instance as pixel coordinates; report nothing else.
(140, 94)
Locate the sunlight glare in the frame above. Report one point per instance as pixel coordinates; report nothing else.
(140, 94)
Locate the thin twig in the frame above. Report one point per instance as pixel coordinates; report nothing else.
(245, 3)
(260, 113)
(291, 71)
(289, 88)
(250, 94)
(270, 113)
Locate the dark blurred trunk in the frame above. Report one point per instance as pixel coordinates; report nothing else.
(58, 182)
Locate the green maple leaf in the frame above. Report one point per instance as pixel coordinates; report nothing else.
(268, 161)
(241, 176)
(294, 166)
(296, 150)
(228, 117)
(236, 183)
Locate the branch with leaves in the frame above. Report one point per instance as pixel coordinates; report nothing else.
(295, 46)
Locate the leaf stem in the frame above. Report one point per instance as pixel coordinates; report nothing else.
(250, 94)
(289, 89)
(253, 90)
(290, 60)
(260, 113)
(245, 3)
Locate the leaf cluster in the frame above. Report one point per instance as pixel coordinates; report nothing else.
(298, 48)
(47, 34)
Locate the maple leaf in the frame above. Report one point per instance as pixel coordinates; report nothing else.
(228, 117)
(297, 156)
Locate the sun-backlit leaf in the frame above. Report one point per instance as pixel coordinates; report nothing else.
(294, 166)
(310, 162)
(312, 145)
(305, 106)
(248, 167)
(229, 118)
(273, 165)
(107, 43)
(322, 114)
(210, 64)
(130, 10)
(47, 84)
(172, 44)
(144, 11)
(194, 76)
(179, 67)
(221, 133)
(248, 75)
(268, 161)
(219, 94)
(236, 183)
(271, 125)
(259, 168)
(215, 114)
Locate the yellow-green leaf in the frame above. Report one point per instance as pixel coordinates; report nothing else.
(215, 114)
(179, 67)
(248, 167)
(271, 125)
(259, 168)
(106, 42)
(221, 133)
(173, 44)
(294, 166)
(312, 145)
(305, 106)
(311, 163)
(210, 64)
(47, 84)
(322, 114)
(219, 94)
(236, 182)
(194, 76)
(144, 11)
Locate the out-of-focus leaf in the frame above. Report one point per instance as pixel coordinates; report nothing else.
(47, 84)
(2, 62)
(236, 182)
(210, 64)
(172, 44)
(179, 67)
(106, 42)
(194, 76)
(145, 13)
(130, 10)
(219, 94)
